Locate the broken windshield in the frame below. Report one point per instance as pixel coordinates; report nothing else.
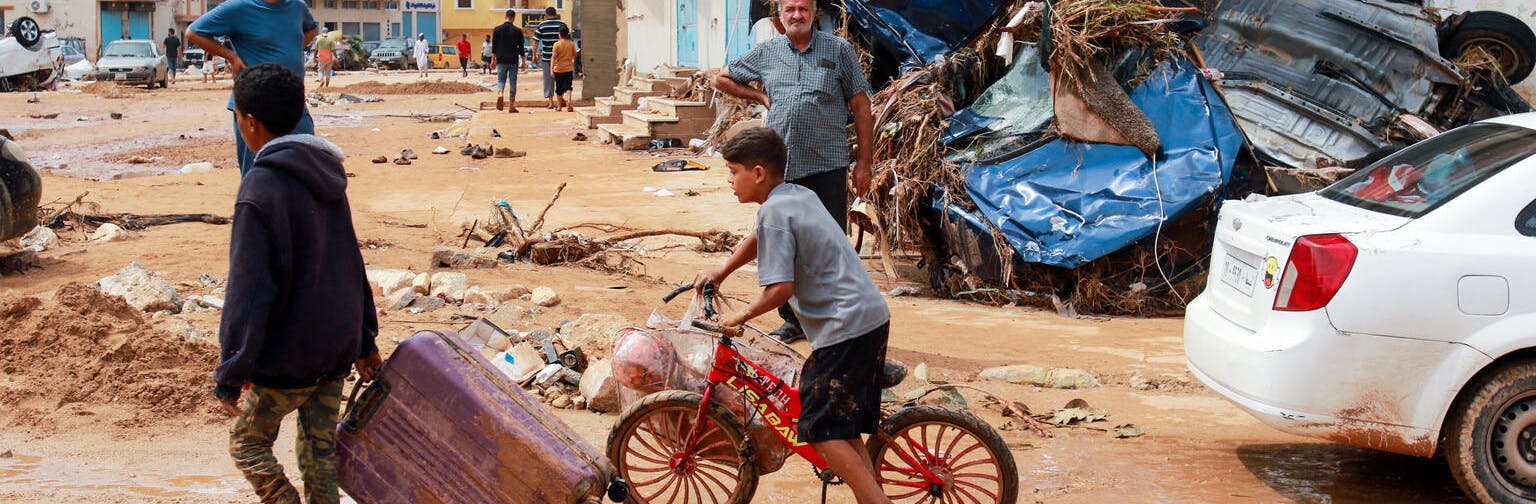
(1418, 179)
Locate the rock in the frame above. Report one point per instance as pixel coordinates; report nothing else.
(443, 257)
(200, 167)
(190, 306)
(141, 288)
(422, 284)
(216, 303)
(598, 388)
(921, 371)
(1067, 378)
(450, 286)
(561, 401)
(476, 296)
(7, 454)
(390, 280)
(905, 290)
(210, 280)
(427, 304)
(510, 293)
(183, 329)
(594, 333)
(401, 298)
(109, 232)
(39, 239)
(1021, 373)
(552, 394)
(508, 315)
(578, 402)
(545, 296)
(538, 392)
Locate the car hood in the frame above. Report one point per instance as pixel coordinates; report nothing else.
(121, 61)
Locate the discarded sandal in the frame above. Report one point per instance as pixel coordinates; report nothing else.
(580, 137)
(408, 154)
(468, 149)
(440, 150)
(381, 160)
(436, 136)
(507, 152)
(481, 152)
(402, 161)
(495, 134)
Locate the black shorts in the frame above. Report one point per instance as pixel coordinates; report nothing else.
(563, 82)
(838, 395)
(831, 187)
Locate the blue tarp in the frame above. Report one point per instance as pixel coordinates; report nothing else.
(941, 25)
(1065, 203)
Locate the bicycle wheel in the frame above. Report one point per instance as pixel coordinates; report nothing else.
(962, 450)
(646, 446)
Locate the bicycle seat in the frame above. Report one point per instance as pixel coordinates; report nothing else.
(891, 374)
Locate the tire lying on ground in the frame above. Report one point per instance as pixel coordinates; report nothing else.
(26, 31)
(1505, 37)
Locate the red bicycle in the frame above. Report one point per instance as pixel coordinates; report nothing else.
(682, 447)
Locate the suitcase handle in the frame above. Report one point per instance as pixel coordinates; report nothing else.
(361, 408)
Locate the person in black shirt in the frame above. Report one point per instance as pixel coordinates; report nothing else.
(172, 53)
(506, 50)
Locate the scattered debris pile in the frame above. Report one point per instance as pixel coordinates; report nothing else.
(84, 348)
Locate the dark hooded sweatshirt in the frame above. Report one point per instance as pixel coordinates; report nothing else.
(298, 308)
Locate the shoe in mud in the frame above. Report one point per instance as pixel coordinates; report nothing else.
(436, 135)
(381, 160)
(469, 149)
(402, 161)
(501, 103)
(408, 154)
(580, 137)
(482, 152)
(495, 134)
(507, 152)
(440, 150)
(788, 333)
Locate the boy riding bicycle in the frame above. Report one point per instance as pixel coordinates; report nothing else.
(804, 257)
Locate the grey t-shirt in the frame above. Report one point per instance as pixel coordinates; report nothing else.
(797, 241)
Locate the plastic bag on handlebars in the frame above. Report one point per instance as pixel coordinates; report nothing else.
(692, 352)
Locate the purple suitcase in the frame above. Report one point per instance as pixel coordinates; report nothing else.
(440, 425)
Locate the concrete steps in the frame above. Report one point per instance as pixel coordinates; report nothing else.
(639, 111)
(625, 135)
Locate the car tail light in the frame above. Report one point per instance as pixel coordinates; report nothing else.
(1313, 274)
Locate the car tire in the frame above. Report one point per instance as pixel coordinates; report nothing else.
(1497, 410)
(26, 31)
(1504, 36)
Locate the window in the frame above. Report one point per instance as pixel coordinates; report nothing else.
(330, 4)
(1526, 222)
(559, 4)
(371, 4)
(464, 4)
(350, 4)
(352, 29)
(392, 4)
(1420, 178)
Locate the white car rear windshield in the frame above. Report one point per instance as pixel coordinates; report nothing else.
(1418, 179)
(128, 50)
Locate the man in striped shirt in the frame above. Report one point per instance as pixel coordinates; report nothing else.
(546, 35)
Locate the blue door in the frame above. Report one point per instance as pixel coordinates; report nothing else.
(111, 27)
(138, 25)
(687, 33)
(426, 22)
(738, 28)
(405, 20)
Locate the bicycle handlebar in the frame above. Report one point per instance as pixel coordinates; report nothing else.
(716, 328)
(675, 292)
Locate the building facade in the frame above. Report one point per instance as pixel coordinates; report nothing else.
(477, 18)
(93, 23)
(690, 33)
(369, 19)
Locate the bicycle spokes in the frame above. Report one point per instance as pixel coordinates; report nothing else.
(963, 470)
(662, 469)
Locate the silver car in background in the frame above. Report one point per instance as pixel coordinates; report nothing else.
(133, 62)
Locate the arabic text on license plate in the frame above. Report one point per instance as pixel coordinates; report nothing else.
(120, 76)
(1239, 275)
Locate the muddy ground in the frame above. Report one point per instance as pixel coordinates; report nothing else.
(58, 446)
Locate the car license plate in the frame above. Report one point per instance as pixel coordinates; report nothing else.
(119, 76)
(1239, 275)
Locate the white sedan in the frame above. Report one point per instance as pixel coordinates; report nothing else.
(1393, 310)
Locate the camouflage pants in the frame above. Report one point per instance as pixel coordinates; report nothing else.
(254, 432)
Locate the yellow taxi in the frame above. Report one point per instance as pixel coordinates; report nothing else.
(443, 56)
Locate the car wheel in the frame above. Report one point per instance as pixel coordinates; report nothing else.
(1490, 440)
(26, 31)
(1505, 37)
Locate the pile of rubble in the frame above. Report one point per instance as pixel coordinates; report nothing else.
(567, 368)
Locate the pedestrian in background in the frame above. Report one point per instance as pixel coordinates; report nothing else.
(173, 52)
(485, 56)
(259, 31)
(563, 63)
(506, 50)
(546, 35)
(463, 48)
(325, 56)
(420, 51)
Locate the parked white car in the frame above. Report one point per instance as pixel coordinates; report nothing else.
(1393, 310)
(29, 56)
